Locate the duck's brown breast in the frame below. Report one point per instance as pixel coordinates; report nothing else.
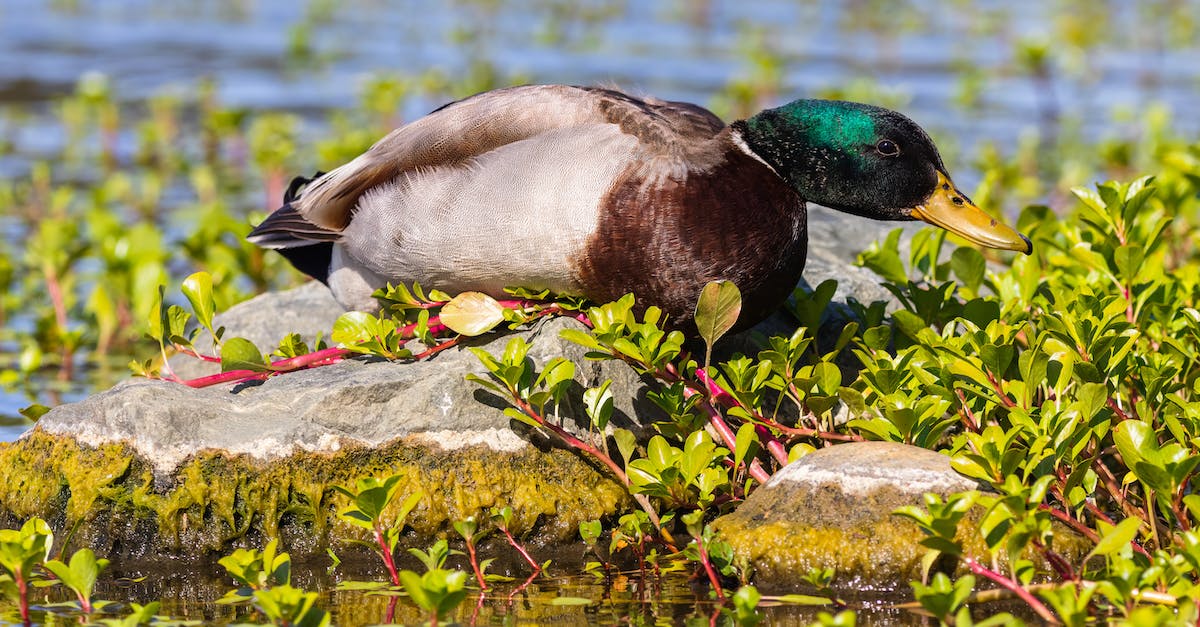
(663, 236)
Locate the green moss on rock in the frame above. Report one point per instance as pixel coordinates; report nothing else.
(113, 502)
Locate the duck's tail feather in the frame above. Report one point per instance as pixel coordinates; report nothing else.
(307, 246)
(286, 228)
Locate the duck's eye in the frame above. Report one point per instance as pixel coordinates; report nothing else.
(887, 148)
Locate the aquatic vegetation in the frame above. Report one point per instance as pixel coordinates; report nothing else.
(368, 500)
(265, 584)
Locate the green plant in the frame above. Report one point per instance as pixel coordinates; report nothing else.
(369, 498)
(264, 579)
(437, 591)
(290, 607)
(21, 552)
(79, 575)
(469, 529)
(256, 570)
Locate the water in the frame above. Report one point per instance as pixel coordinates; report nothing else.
(679, 50)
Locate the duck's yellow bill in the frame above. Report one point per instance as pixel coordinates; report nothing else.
(950, 209)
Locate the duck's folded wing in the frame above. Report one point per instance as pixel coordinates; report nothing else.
(452, 134)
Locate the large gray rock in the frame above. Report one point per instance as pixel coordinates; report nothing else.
(360, 401)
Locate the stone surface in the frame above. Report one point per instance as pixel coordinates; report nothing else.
(833, 508)
(358, 401)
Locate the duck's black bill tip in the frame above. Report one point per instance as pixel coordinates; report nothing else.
(1028, 244)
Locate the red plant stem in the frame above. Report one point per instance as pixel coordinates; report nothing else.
(520, 549)
(774, 446)
(226, 377)
(1177, 507)
(521, 588)
(1114, 489)
(183, 350)
(708, 568)
(387, 557)
(715, 391)
(727, 399)
(478, 606)
(54, 288)
(720, 395)
(1070, 521)
(1004, 399)
(433, 350)
(1121, 413)
(1014, 587)
(332, 355)
(23, 597)
(1057, 562)
(727, 436)
(390, 615)
(805, 432)
(969, 418)
(475, 564)
(317, 358)
(576, 443)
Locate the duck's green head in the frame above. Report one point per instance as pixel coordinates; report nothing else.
(869, 161)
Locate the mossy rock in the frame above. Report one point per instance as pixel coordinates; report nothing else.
(833, 509)
(153, 468)
(110, 498)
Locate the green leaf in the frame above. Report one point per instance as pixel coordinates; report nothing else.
(472, 313)
(746, 437)
(1135, 441)
(717, 311)
(599, 404)
(34, 411)
(80, 573)
(829, 377)
(198, 290)
(1128, 259)
(1118, 537)
(238, 353)
(803, 599)
(968, 265)
(626, 443)
(351, 328)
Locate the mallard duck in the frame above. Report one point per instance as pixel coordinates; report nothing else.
(592, 192)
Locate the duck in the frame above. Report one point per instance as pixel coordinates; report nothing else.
(592, 192)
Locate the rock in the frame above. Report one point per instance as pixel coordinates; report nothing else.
(308, 310)
(833, 508)
(152, 467)
(834, 241)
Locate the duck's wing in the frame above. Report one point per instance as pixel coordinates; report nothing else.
(462, 130)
